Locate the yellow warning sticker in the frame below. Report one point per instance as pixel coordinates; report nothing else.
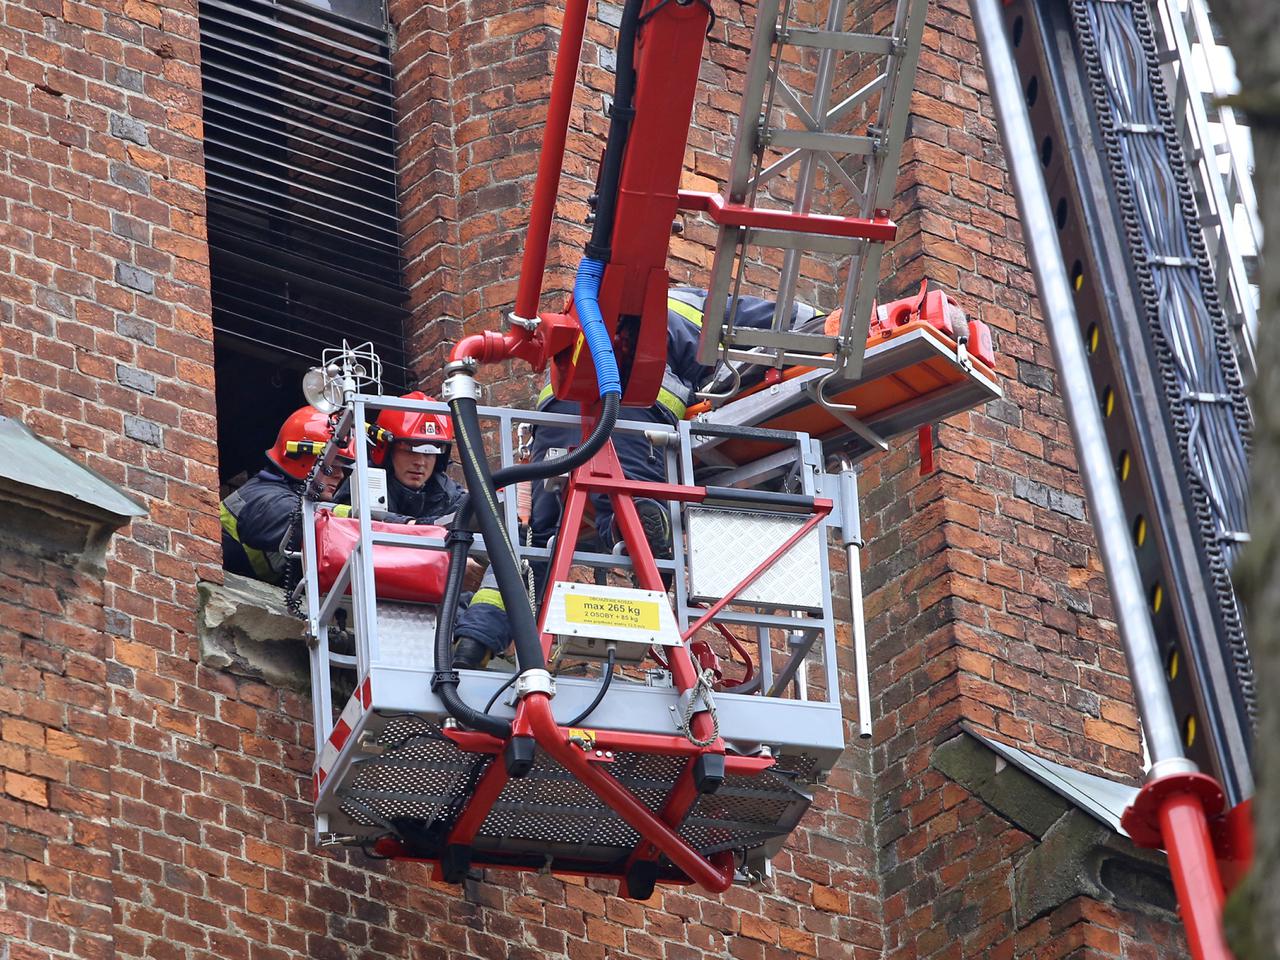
(611, 612)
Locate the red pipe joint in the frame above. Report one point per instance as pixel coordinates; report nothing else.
(1173, 813)
(485, 347)
(1141, 819)
(554, 333)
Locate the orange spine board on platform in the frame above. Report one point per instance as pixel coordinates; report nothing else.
(872, 398)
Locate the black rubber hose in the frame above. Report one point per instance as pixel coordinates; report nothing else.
(502, 557)
(599, 247)
(445, 681)
(502, 689)
(457, 561)
(543, 469)
(604, 688)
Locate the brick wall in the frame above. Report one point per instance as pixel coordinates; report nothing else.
(471, 85)
(55, 761)
(985, 600)
(107, 353)
(1086, 930)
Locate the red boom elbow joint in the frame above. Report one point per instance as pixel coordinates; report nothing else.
(485, 347)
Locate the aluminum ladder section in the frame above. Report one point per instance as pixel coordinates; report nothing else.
(1199, 72)
(782, 146)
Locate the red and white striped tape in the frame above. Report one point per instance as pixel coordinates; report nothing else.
(351, 715)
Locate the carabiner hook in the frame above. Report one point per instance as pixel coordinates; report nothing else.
(714, 396)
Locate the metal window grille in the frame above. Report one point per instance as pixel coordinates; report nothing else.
(300, 157)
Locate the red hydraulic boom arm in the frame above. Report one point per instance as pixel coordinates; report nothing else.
(633, 294)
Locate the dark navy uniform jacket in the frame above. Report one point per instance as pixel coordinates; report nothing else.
(438, 498)
(255, 519)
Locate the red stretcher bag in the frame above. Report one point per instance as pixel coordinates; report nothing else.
(400, 573)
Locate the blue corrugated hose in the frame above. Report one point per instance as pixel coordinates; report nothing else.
(586, 291)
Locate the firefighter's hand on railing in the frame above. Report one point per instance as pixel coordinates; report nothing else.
(474, 575)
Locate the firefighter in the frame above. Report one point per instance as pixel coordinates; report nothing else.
(256, 517)
(415, 452)
(482, 628)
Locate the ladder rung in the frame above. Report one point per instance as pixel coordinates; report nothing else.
(813, 243)
(805, 343)
(880, 229)
(835, 40)
(786, 359)
(831, 142)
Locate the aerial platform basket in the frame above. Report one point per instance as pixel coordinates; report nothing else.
(397, 775)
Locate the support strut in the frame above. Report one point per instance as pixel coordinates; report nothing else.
(1175, 792)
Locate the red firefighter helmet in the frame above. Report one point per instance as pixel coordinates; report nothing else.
(424, 432)
(301, 439)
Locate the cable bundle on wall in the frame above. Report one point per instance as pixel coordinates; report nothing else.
(1188, 333)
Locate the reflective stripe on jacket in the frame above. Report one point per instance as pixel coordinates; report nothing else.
(255, 519)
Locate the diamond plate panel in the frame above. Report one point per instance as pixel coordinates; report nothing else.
(726, 545)
(406, 635)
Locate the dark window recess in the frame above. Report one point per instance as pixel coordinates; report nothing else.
(304, 230)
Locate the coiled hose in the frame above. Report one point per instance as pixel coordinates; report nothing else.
(483, 503)
(445, 681)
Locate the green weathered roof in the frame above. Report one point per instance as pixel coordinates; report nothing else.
(28, 461)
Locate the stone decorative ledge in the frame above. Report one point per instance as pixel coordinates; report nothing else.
(245, 629)
(53, 506)
(1077, 855)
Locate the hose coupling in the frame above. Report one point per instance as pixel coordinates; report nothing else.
(460, 383)
(529, 324)
(535, 681)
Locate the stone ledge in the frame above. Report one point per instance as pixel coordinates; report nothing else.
(53, 507)
(245, 629)
(1076, 855)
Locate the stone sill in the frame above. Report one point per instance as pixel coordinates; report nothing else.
(245, 629)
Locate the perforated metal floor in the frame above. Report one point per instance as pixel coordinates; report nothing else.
(418, 786)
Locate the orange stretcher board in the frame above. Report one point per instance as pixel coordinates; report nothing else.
(915, 376)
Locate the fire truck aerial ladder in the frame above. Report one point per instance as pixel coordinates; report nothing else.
(620, 744)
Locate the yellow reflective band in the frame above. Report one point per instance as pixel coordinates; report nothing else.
(342, 510)
(489, 597)
(229, 522)
(692, 314)
(545, 395)
(673, 403)
(257, 559)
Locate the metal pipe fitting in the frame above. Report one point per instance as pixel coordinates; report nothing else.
(459, 384)
(535, 681)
